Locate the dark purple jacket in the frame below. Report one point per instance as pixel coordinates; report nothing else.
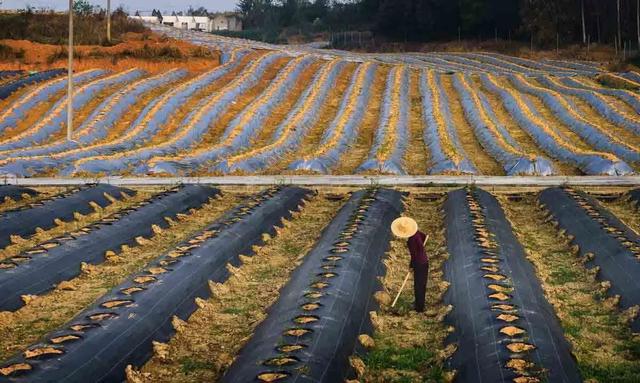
(416, 248)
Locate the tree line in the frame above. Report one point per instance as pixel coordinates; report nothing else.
(541, 21)
(49, 27)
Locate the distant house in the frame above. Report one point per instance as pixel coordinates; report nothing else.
(147, 19)
(215, 22)
(226, 22)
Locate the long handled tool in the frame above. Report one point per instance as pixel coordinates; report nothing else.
(406, 279)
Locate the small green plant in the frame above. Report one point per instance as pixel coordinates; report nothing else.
(190, 365)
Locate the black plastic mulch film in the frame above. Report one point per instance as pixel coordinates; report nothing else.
(118, 330)
(15, 193)
(634, 197)
(505, 330)
(43, 214)
(312, 329)
(39, 269)
(602, 238)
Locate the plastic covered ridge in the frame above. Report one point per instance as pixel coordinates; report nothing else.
(39, 269)
(141, 130)
(504, 329)
(392, 135)
(239, 133)
(43, 214)
(18, 109)
(344, 129)
(103, 118)
(9, 89)
(493, 136)
(549, 139)
(312, 329)
(118, 330)
(602, 239)
(446, 153)
(15, 193)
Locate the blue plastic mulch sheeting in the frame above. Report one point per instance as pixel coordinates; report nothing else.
(9, 89)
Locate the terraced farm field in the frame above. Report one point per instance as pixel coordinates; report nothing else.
(197, 283)
(158, 278)
(272, 110)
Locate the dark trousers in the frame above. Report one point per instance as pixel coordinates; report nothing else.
(420, 276)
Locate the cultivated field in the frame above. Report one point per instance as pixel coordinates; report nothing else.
(194, 283)
(300, 110)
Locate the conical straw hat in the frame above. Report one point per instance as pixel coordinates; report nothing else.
(404, 227)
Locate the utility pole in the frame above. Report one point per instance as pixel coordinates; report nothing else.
(638, 22)
(70, 79)
(584, 27)
(109, 21)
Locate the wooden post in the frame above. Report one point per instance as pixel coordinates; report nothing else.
(70, 75)
(108, 20)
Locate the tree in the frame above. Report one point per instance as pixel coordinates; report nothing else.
(82, 7)
(201, 11)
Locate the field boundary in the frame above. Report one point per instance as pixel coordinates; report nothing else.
(336, 181)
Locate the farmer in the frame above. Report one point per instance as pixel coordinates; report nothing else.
(405, 227)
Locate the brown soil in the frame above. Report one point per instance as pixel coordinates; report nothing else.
(37, 55)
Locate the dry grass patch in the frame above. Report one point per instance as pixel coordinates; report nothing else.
(626, 211)
(47, 312)
(602, 343)
(214, 334)
(417, 155)
(409, 347)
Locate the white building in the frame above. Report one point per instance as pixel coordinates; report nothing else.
(215, 22)
(226, 22)
(191, 23)
(147, 19)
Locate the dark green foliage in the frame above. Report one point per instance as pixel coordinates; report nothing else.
(9, 53)
(424, 20)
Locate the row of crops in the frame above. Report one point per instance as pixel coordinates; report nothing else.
(266, 112)
(126, 278)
